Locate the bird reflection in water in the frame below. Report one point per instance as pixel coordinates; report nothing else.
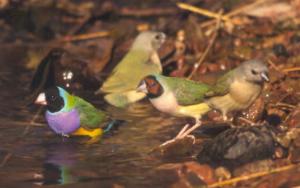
(57, 169)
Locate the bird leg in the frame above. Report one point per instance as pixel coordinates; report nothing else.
(184, 132)
(188, 131)
(177, 136)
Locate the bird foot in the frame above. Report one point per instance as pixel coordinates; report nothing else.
(167, 142)
(183, 133)
(174, 140)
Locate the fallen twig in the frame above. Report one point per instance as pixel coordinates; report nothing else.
(147, 12)
(85, 36)
(235, 12)
(270, 62)
(202, 11)
(287, 70)
(281, 104)
(252, 176)
(210, 44)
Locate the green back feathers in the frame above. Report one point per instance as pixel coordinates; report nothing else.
(90, 117)
(187, 92)
(222, 86)
(128, 73)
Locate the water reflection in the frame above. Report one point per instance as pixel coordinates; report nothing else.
(60, 158)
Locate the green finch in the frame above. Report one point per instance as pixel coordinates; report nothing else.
(141, 60)
(176, 96)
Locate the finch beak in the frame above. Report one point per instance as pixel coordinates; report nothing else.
(41, 99)
(163, 37)
(265, 76)
(142, 87)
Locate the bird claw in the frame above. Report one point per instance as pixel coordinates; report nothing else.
(192, 137)
(168, 142)
(183, 133)
(177, 140)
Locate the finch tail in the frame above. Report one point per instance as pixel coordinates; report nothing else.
(113, 124)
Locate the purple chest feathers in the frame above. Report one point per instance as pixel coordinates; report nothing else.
(64, 123)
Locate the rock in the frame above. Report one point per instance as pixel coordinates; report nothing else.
(238, 146)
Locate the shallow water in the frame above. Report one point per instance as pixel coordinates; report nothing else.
(43, 158)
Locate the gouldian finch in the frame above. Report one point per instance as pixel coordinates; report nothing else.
(66, 114)
(176, 96)
(238, 88)
(70, 115)
(141, 60)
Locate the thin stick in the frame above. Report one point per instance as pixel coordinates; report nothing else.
(285, 105)
(273, 65)
(86, 36)
(235, 12)
(210, 45)
(133, 12)
(252, 176)
(287, 70)
(202, 11)
(245, 8)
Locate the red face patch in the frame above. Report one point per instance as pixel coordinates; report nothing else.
(153, 86)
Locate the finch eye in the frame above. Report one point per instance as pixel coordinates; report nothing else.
(254, 72)
(53, 98)
(157, 37)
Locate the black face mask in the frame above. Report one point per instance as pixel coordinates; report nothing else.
(54, 101)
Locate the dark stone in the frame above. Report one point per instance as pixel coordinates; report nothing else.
(238, 146)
